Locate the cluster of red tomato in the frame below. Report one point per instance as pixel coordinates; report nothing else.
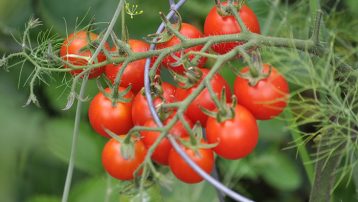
(235, 137)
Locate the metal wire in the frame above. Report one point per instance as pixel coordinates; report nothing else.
(218, 185)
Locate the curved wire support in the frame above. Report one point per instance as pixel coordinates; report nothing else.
(218, 185)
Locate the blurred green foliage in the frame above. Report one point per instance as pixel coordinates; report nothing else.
(35, 142)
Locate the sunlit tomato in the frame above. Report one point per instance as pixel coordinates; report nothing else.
(161, 153)
(74, 51)
(190, 32)
(237, 137)
(204, 158)
(267, 98)
(140, 108)
(215, 24)
(103, 115)
(115, 163)
(134, 72)
(204, 99)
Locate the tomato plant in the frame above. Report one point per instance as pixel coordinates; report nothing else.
(204, 99)
(267, 98)
(216, 24)
(204, 158)
(133, 73)
(190, 32)
(140, 108)
(119, 165)
(103, 115)
(76, 50)
(236, 137)
(161, 153)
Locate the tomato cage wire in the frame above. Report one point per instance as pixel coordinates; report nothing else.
(213, 180)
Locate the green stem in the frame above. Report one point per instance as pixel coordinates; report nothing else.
(325, 173)
(79, 106)
(108, 189)
(74, 142)
(301, 148)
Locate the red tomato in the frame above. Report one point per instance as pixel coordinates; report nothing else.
(71, 50)
(161, 153)
(204, 158)
(118, 166)
(193, 111)
(190, 32)
(117, 119)
(237, 137)
(169, 92)
(215, 24)
(267, 98)
(140, 108)
(134, 72)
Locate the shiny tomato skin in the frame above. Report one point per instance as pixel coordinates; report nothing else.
(190, 32)
(161, 153)
(237, 137)
(215, 24)
(73, 45)
(193, 111)
(134, 72)
(116, 165)
(204, 158)
(267, 99)
(117, 119)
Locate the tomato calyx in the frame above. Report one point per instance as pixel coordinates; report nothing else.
(156, 91)
(172, 28)
(116, 96)
(191, 77)
(195, 141)
(127, 144)
(225, 110)
(225, 9)
(121, 47)
(256, 70)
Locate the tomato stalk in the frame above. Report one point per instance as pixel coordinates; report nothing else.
(79, 107)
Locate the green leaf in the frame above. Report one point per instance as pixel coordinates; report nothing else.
(44, 198)
(20, 133)
(94, 190)
(279, 171)
(234, 170)
(150, 194)
(274, 130)
(58, 92)
(59, 139)
(180, 191)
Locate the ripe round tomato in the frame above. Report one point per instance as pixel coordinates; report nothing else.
(237, 137)
(134, 72)
(204, 158)
(71, 49)
(161, 153)
(193, 111)
(190, 32)
(117, 119)
(215, 24)
(140, 108)
(267, 98)
(118, 166)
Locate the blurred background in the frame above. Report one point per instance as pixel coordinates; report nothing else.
(35, 142)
